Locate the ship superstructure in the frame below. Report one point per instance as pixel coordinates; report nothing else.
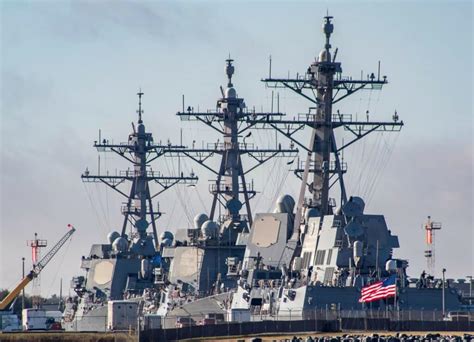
(205, 258)
(312, 253)
(124, 267)
(330, 250)
(323, 168)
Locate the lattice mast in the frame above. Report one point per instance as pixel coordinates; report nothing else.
(140, 150)
(231, 121)
(430, 229)
(36, 246)
(323, 85)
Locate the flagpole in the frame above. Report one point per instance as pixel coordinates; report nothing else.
(377, 261)
(396, 292)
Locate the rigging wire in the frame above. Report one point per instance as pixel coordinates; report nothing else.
(377, 167)
(372, 157)
(390, 148)
(178, 193)
(361, 167)
(59, 268)
(99, 199)
(99, 221)
(275, 182)
(194, 136)
(171, 214)
(276, 165)
(187, 194)
(360, 154)
(262, 194)
(378, 164)
(280, 187)
(204, 209)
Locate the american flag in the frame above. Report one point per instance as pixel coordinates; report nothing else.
(383, 289)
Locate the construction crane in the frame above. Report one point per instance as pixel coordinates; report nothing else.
(37, 268)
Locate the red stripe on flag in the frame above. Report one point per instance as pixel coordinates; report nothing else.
(370, 287)
(378, 293)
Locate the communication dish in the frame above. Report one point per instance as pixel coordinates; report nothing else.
(234, 205)
(141, 224)
(354, 207)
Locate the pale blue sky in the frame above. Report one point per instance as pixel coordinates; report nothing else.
(70, 68)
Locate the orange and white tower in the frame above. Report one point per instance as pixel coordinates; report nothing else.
(36, 246)
(430, 229)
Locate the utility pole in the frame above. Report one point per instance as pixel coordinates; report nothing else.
(444, 289)
(60, 304)
(23, 291)
(377, 260)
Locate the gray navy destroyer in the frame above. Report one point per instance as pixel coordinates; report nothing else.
(310, 253)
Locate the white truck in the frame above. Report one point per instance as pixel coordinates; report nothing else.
(37, 319)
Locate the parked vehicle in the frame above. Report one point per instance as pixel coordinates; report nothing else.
(37, 319)
(182, 322)
(207, 321)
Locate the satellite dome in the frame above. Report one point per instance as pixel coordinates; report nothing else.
(166, 242)
(354, 207)
(359, 202)
(166, 236)
(324, 56)
(230, 93)
(209, 229)
(391, 265)
(199, 219)
(112, 236)
(120, 245)
(285, 204)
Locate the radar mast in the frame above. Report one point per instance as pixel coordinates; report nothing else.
(231, 120)
(324, 85)
(138, 209)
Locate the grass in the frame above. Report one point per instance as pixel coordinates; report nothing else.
(67, 337)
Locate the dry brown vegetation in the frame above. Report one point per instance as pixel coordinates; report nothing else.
(66, 337)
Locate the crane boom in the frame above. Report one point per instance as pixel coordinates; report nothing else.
(36, 269)
(52, 252)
